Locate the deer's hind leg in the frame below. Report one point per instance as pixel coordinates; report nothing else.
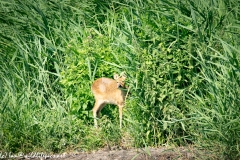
(120, 114)
(98, 106)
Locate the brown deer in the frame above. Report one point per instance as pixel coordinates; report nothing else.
(109, 91)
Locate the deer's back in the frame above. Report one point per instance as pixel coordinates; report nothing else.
(108, 90)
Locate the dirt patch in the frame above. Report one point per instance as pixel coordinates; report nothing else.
(162, 153)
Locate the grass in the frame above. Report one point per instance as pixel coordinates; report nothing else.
(181, 58)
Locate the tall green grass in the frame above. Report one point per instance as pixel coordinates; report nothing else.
(181, 58)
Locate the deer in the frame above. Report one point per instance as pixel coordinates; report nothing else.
(109, 91)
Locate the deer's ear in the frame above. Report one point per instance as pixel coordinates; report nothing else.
(124, 77)
(122, 73)
(115, 76)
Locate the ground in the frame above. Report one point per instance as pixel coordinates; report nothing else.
(136, 154)
(161, 153)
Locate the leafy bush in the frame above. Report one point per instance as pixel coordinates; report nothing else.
(86, 60)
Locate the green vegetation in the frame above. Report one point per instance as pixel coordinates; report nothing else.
(181, 57)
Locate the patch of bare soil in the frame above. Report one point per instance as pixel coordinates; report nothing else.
(162, 153)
